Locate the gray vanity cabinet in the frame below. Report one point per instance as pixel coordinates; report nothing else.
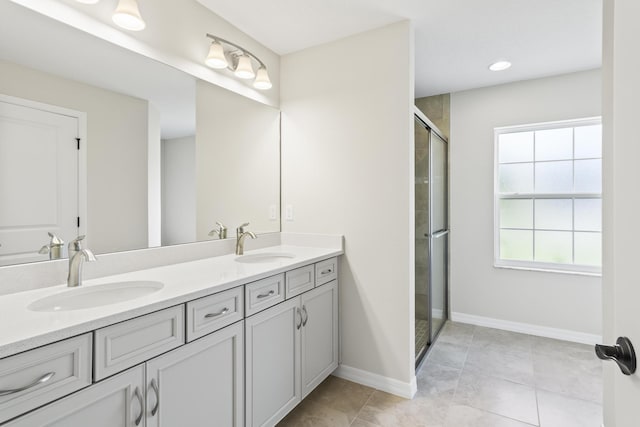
(115, 402)
(290, 349)
(199, 384)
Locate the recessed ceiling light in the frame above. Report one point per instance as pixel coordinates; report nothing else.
(500, 65)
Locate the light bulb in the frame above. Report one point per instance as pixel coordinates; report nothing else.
(216, 57)
(262, 81)
(244, 69)
(128, 16)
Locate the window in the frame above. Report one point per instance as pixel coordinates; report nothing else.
(548, 196)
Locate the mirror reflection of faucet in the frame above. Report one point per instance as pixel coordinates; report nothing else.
(54, 248)
(77, 256)
(220, 230)
(240, 236)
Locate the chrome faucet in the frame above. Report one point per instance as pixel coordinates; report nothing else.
(54, 248)
(77, 256)
(221, 231)
(240, 235)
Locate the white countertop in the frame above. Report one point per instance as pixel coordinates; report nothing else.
(22, 329)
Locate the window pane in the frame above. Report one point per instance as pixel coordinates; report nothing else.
(588, 248)
(516, 213)
(554, 247)
(515, 147)
(588, 142)
(554, 177)
(554, 214)
(516, 178)
(554, 144)
(588, 176)
(588, 214)
(516, 245)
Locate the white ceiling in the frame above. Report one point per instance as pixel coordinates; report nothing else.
(456, 40)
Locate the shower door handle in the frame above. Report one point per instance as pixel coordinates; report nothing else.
(437, 234)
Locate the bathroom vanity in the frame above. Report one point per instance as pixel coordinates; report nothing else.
(225, 341)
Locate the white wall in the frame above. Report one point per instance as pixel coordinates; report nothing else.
(552, 300)
(116, 153)
(347, 168)
(179, 190)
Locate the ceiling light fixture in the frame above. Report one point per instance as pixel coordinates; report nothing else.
(500, 65)
(239, 60)
(127, 16)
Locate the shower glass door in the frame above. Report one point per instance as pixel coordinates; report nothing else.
(431, 237)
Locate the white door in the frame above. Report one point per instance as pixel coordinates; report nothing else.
(38, 180)
(319, 335)
(621, 196)
(272, 363)
(115, 402)
(199, 384)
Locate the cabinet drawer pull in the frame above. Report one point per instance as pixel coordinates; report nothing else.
(43, 379)
(220, 313)
(306, 316)
(327, 271)
(139, 396)
(154, 386)
(268, 294)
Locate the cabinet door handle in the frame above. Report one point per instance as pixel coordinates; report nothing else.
(220, 313)
(298, 313)
(306, 316)
(154, 386)
(268, 294)
(43, 379)
(141, 401)
(327, 271)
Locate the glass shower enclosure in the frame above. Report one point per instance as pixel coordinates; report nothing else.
(431, 234)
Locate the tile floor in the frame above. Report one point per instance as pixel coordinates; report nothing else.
(473, 377)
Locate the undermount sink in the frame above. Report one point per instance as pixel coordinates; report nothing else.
(264, 257)
(95, 296)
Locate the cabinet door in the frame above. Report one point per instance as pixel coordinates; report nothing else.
(115, 402)
(200, 384)
(319, 335)
(272, 363)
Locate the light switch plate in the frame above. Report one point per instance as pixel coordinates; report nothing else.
(288, 213)
(273, 212)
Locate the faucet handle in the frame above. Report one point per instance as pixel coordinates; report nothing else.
(55, 240)
(75, 245)
(240, 229)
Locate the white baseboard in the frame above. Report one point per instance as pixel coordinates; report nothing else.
(389, 385)
(527, 328)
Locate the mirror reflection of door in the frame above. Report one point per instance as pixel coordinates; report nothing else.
(38, 179)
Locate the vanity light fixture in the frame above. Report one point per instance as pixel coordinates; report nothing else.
(127, 16)
(237, 59)
(88, 1)
(500, 65)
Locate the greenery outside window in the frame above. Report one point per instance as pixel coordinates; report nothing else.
(548, 196)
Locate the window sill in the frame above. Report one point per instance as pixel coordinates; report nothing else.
(549, 270)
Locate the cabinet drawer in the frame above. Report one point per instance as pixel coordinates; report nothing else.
(36, 377)
(264, 294)
(125, 344)
(214, 312)
(299, 280)
(326, 271)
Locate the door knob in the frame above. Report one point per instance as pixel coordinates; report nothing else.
(622, 353)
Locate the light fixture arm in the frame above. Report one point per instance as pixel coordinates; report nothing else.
(245, 51)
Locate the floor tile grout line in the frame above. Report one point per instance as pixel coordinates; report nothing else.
(362, 407)
(537, 406)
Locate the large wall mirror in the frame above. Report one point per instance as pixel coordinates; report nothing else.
(163, 156)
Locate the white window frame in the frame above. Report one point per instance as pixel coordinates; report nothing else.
(537, 265)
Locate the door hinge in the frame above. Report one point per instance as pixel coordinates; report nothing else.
(78, 141)
(78, 222)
